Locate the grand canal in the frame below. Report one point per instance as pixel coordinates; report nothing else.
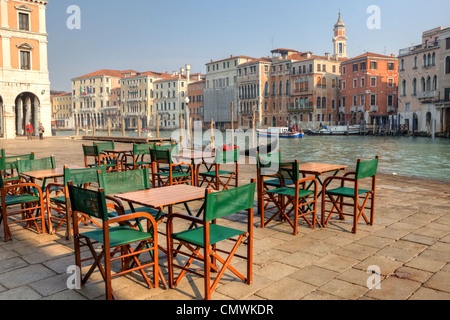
(411, 156)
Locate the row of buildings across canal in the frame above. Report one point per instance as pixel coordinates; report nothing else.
(289, 87)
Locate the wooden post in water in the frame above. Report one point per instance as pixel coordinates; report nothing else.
(253, 126)
(373, 125)
(157, 126)
(232, 125)
(109, 127)
(139, 124)
(93, 128)
(123, 126)
(181, 131)
(190, 133)
(212, 134)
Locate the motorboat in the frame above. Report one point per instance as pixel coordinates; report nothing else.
(280, 132)
(338, 130)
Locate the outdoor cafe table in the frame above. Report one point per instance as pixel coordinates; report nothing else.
(160, 198)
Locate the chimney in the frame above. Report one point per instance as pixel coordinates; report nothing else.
(188, 73)
(327, 55)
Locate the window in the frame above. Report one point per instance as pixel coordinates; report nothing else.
(344, 100)
(363, 82)
(414, 93)
(344, 69)
(25, 60)
(373, 81)
(355, 83)
(415, 63)
(362, 99)
(343, 85)
(355, 67)
(391, 66)
(24, 21)
(447, 44)
(373, 99)
(404, 88)
(373, 65)
(363, 65)
(390, 82)
(355, 100)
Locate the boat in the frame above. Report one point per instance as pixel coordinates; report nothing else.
(280, 132)
(338, 130)
(263, 149)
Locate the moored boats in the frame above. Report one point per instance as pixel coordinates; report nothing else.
(280, 132)
(339, 130)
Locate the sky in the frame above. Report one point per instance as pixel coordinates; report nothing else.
(165, 35)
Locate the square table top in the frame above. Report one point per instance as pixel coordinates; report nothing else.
(318, 169)
(48, 173)
(159, 198)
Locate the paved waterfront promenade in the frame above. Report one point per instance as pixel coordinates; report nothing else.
(410, 243)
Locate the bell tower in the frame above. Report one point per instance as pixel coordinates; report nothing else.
(340, 39)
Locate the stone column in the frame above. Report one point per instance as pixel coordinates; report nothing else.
(37, 116)
(19, 120)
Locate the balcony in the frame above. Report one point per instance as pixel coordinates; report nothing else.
(373, 108)
(341, 109)
(353, 109)
(391, 109)
(428, 94)
(360, 108)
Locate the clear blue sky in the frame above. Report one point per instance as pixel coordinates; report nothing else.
(164, 35)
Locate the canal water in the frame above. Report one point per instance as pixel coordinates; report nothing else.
(410, 156)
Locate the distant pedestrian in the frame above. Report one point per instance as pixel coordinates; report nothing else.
(29, 131)
(41, 130)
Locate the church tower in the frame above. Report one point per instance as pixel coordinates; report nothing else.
(340, 39)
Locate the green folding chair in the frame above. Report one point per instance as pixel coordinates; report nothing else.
(215, 177)
(115, 241)
(8, 166)
(360, 197)
(172, 173)
(36, 165)
(202, 243)
(292, 202)
(59, 202)
(22, 202)
(99, 158)
(139, 159)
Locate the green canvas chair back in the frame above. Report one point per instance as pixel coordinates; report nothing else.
(108, 145)
(124, 181)
(2, 153)
(36, 164)
(269, 163)
(82, 176)
(90, 151)
(90, 202)
(227, 156)
(143, 148)
(174, 147)
(290, 171)
(366, 169)
(161, 155)
(223, 203)
(10, 163)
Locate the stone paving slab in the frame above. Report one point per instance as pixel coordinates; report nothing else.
(409, 243)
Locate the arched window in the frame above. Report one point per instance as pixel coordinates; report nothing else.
(318, 102)
(422, 84)
(428, 83)
(324, 102)
(324, 82)
(429, 59)
(280, 88)
(296, 103)
(306, 102)
(435, 84)
(288, 87)
(414, 87)
(266, 89)
(273, 89)
(415, 62)
(433, 59)
(424, 60)
(302, 103)
(404, 88)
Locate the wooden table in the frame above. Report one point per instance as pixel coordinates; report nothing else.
(159, 198)
(47, 173)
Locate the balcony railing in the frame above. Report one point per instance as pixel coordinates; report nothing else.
(427, 94)
(373, 108)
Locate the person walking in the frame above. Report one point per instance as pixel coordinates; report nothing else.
(29, 131)
(41, 130)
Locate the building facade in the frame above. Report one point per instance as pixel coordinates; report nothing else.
(62, 105)
(220, 92)
(422, 81)
(24, 76)
(91, 97)
(443, 104)
(196, 100)
(369, 89)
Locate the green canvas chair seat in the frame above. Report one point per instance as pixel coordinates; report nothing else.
(350, 189)
(203, 243)
(19, 199)
(286, 191)
(61, 200)
(346, 192)
(175, 174)
(213, 173)
(278, 183)
(118, 236)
